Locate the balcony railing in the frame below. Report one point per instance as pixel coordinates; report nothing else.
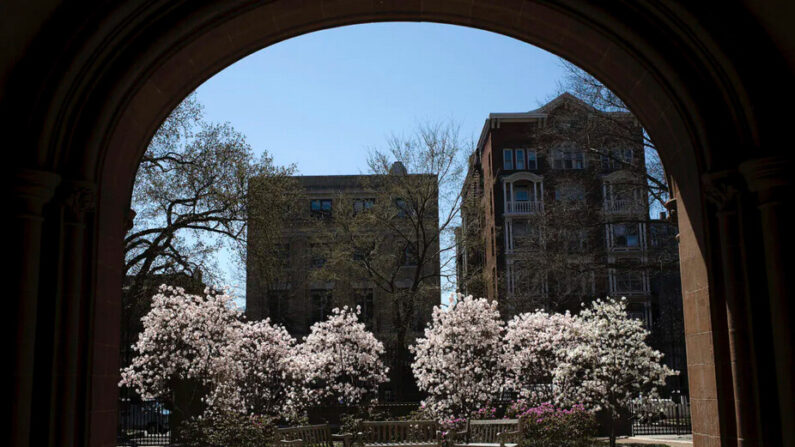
(528, 207)
(623, 206)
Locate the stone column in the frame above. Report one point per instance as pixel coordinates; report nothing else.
(771, 179)
(723, 192)
(32, 190)
(72, 313)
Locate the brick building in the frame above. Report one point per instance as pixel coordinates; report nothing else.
(312, 277)
(557, 213)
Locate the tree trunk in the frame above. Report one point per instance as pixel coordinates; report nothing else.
(186, 404)
(612, 431)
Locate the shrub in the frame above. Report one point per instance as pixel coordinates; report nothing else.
(548, 426)
(229, 430)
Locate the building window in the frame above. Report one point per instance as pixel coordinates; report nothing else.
(404, 210)
(360, 253)
(532, 160)
(410, 256)
(625, 235)
(521, 193)
(320, 300)
(519, 158)
(640, 311)
(360, 205)
(577, 241)
(319, 253)
(629, 282)
(278, 306)
(507, 159)
(522, 235)
(320, 207)
(570, 192)
(568, 159)
(617, 158)
(622, 197)
(364, 299)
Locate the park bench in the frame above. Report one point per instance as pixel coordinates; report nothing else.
(488, 433)
(418, 433)
(312, 436)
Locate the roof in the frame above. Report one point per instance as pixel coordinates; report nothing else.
(495, 119)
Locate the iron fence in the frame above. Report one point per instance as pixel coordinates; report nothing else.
(661, 417)
(143, 423)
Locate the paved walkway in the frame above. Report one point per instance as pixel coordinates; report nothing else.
(670, 440)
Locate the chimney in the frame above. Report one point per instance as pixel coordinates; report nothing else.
(397, 169)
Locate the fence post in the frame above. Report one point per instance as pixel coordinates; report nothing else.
(677, 419)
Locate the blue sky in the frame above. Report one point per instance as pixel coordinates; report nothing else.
(321, 101)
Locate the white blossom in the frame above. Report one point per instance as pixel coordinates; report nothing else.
(241, 366)
(458, 362)
(613, 365)
(534, 345)
(339, 361)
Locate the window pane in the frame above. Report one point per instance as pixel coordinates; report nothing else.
(521, 194)
(320, 207)
(531, 160)
(520, 159)
(507, 156)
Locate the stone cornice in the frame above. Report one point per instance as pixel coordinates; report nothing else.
(721, 188)
(766, 173)
(33, 189)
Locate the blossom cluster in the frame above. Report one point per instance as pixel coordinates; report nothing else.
(534, 344)
(598, 358)
(458, 362)
(613, 366)
(340, 361)
(250, 367)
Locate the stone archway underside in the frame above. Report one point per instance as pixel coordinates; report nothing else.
(114, 74)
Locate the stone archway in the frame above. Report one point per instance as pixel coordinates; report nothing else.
(125, 67)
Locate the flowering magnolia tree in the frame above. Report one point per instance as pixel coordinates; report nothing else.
(613, 366)
(339, 361)
(458, 362)
(253, 376)
(534, 344)
(182, 341)
(200, 344)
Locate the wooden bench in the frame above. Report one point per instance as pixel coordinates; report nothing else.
(312, 436)
(488, 433)
(419, 433)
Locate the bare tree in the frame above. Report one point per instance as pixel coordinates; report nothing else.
(191, 201)
(595, 191)
(399, 235)
(609, 123)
